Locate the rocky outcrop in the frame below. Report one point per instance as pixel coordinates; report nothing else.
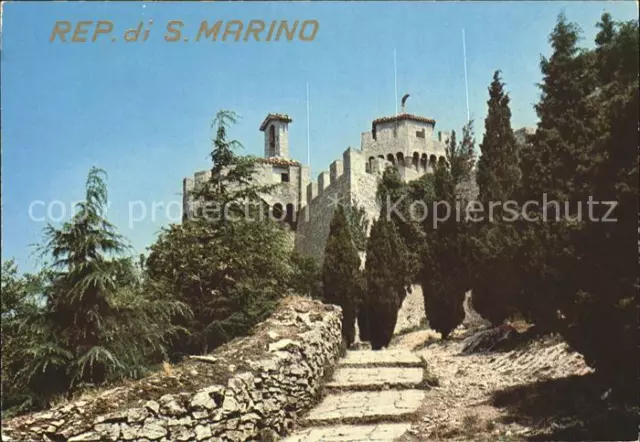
(251, 388)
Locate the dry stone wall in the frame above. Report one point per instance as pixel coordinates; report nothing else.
(252, 388)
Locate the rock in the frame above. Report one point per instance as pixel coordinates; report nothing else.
(170, 406)
(182, 434)
(249, 417)
(203, 432)
(203, 400)
(207, 359)
(282, 344)
(137, 415)
(182, 422)
(230, 404)
(127, 432)
(110, 431)
(152, 406)
(200, 415)
(235, 436)
(152, 431)
(89, 436)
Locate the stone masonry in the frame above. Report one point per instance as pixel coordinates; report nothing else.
(252, 388)
(373, 396)
(406, 141)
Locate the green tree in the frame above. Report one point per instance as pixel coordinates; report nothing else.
(498, 169)
(494, 242)
(558, 162)
(230, 264)
(20, 304)
(231, 274)
(341, 275)
(387, 278)
(95, 325)
(445, 275)
(601, 318)
(358, 224)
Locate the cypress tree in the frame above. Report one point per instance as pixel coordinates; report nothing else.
(602, 314)
(445, 276)
(386, 275)
(495, 281)
(342, 279)
(558, 162)
(498, 169)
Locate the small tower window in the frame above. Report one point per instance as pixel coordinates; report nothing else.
(420, 133)
(272, 140)
(284, 177)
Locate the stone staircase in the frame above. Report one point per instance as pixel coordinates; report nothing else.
(373, 396)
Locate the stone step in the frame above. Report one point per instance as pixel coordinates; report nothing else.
(365, 407)
(381, 432)
(375, 378)
(380, 358)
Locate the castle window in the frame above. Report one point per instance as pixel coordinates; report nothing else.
(420, 133)
(284, 177)
(272, 140)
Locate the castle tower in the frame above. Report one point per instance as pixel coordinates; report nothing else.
(276, 135)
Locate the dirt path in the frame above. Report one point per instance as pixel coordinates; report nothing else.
(540, 391)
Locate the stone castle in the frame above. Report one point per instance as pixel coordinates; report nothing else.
(406, 141)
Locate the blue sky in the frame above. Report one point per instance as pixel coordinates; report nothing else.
(142, 111)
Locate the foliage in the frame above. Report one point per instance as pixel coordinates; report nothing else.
(445, 275)
(231, 275)
(600, 309)
(231, 270)
(358, 224)
(92, 321)
(386, 282)
(306, 278)
(495, 280)
(341, 275)
(570, 273)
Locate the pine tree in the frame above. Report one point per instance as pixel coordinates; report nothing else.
(342, 279)
(231, 270)
(495, 280)
(231, 178)
(96, 323)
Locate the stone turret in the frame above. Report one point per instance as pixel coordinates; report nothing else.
(276, 135)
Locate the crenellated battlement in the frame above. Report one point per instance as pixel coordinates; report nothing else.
(335, 171)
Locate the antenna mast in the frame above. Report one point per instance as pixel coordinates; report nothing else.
(466, 82)
(395, 79)
(308, 136)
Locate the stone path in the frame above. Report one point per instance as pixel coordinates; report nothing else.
(373, 396)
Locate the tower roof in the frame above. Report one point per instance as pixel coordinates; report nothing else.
(274, 116)
(404, 117)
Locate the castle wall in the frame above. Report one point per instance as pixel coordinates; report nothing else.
(265, 173)
(314, 219)
(348, 180)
